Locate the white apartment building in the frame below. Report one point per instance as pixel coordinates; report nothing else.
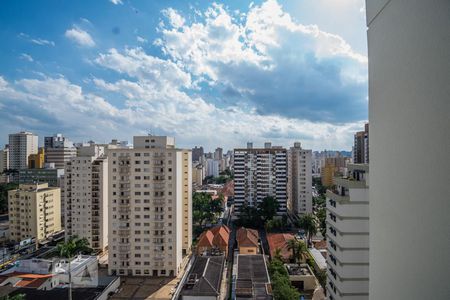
(212, 167)
(86, 197)
(299, 180)
(258, 173)
(348, 236)
(21, 145)
(150, 190)
(34, 211)
(4, 164)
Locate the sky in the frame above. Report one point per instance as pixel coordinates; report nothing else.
(208, 73)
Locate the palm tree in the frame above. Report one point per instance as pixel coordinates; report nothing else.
(308, 223)
(292, 245)
(278, 254)
(68, 250)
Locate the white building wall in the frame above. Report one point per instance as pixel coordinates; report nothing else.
(409, 109)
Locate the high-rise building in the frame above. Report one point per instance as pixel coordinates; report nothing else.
(361, 146)
(258, 173)
(58, 150)
(348, 235)
(37, 161)
(409, 109)
(4, 164)
(299, 180)
(21, 145)
(198, 174)
(86, 197)
(197, 153)
(327, 174)
(218, 154)
(150, 224)
(212, 167)
(34, 211)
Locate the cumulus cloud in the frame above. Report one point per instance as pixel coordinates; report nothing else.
(79, 36)
(224, 80)
(278, 65)
(140, 39)
(116, 2)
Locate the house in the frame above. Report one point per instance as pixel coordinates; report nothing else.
(302, 277)
(214, 239)
(251, 278)
(247, 240)
(280, 241)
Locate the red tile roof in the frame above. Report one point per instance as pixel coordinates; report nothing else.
(280, 241)
(247, 237)
(217, 236)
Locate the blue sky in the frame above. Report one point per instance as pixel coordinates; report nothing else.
(209, 74)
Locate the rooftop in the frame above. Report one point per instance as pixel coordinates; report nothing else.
(252, 278)
(247, 237)
(280, 241)
(205, 276)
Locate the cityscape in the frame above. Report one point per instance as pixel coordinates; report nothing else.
(195, 166)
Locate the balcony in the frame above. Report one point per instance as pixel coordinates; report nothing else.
(350, 183)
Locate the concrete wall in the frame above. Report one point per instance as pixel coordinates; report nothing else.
(409, 116)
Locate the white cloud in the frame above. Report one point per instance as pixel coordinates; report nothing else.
(116, 2)
(176, 20)
(37, 41)
(141, 39)
(26, 57)
(80, 37)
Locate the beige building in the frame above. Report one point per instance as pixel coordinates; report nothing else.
(34, 211)
(299, 180)
(198, 174)
(36, 161)
(150, 224)
(86, 197)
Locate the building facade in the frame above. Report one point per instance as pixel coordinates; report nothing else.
(361, 146)
(21, 145)
(258, 173)
(299, 180)
(348, 236)
(4, 164)
(37, 161)
(46, 175)
(150, 224)
(34, 211)
(409, 111)
(86, 199)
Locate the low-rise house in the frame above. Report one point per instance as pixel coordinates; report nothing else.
(247, 241)
(214, 240)
(302, 277)
(251, 278)
(280, 241)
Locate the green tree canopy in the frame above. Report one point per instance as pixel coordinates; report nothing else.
(268, 208)
(308, 223)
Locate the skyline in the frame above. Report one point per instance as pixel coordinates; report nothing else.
(196, 72)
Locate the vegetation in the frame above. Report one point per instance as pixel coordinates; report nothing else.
(308, 223)
(69, 249)
(317, 182)
(4, 188)
(277, 224)
(298, 249)
(222, 179)
(205, 209)
(281, 285)
(321, 215)
(263, 213)
(15, 297)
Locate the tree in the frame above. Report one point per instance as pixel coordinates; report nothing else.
(322, 216)
(69, 249)
(308, 223)
(201, 208)
(268, 208)
(281, 286)
(4, 188)
(15, 297)
(298, 249)
(248, 216)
